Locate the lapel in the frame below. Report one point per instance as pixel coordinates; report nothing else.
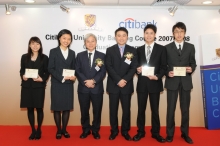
(86, 58)
(94, 58)
(154, 52)
(60, 55)
(143, 55)
(37, 62)
(125, 51)
(174, 48)
(184, 47)
(69, 57)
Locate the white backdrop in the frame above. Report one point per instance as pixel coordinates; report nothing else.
(16, 30)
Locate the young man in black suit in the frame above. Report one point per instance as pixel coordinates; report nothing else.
(121, 63)
(150, 54)
(179, 54)
(90, 72)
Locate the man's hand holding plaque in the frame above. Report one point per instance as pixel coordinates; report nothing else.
(147, 71)
(179, 71)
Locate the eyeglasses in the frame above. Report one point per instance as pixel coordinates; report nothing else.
(176, 32)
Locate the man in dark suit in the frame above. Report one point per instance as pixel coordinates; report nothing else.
(150, 55)
(121, 63)
(90, 72)
(179, 54)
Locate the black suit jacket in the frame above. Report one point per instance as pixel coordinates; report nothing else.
(187, 58)
(83, 72)
(57, 63)
(157, 60)
(117, 69)
(39, 64)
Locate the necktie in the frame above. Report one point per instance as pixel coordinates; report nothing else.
(179, 50)
(148, 53)
(121, 51)
(148, 50)
(90, 65)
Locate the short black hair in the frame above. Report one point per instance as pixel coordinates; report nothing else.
(179, 25)
(62, 32)
(121, 29)
(150, 26)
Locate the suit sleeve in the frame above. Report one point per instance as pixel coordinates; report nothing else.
(133, 67)
(22, 69)
(109, 67)
(101, 74)
(73, 65)
(192, 62)
(80, 76)
(46, 73)
(52, 67)
(163, 64)
(168, 68)
(139, 60)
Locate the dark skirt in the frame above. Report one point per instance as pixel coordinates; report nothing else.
(32, 97)
(61, 96)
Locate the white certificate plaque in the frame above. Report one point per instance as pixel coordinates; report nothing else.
(147, 71)
(31, 73)
(179, 71)
(68, 72)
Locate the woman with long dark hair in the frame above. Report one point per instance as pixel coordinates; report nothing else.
(33, 89)
(62, 58)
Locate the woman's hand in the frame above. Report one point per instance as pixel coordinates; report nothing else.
(38, 79)
(24, 78)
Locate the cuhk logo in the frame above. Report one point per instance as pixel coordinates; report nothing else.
(218, 52)
(90, 23)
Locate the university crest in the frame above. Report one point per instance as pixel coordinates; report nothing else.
(90, 20)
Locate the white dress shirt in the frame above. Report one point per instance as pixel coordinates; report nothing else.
(65, 53)
(92, 56)
(177, 44)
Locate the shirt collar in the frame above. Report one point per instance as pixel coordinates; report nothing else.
(123, 47)
(66, 51)
(177, 44)
(91, 52)
(151, 46)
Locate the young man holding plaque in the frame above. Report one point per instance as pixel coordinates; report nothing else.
(90, 72)
(181, 64)
(152, 67)
(121, 63)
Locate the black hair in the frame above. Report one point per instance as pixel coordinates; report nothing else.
(150, 26)
(121, 29)
(179, 25)
(40, 51)
(62, 32)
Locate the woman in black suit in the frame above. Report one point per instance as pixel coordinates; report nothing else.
(61, 58)
(33, 89)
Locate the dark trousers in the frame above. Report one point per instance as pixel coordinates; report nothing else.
(184, 98)
(84, 102)
(125, 100)
(154, 99)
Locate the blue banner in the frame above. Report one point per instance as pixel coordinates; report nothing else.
(210, 77)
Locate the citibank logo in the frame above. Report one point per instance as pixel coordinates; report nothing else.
(134, 24)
